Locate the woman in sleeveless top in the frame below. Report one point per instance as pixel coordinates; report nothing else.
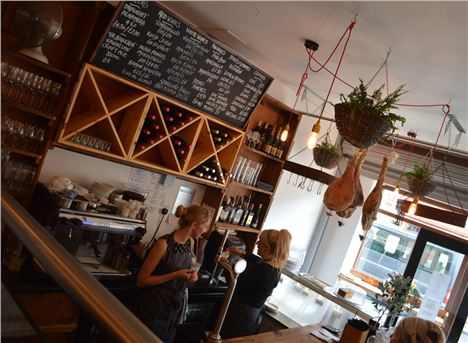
(256, 283)
(164, 275)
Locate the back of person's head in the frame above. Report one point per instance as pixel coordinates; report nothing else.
(189, 215)
(279, 242)
(417, 330)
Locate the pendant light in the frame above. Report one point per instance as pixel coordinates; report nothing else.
(284, 134)
(413, 207)
(313, 136)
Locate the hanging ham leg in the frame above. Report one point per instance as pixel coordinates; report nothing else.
(340, 193)
(372, 203)
(358, 195)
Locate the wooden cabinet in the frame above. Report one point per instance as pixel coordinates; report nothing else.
(272, 112)
(110, 116)
(34, 94)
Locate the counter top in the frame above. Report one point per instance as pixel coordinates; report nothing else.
(296, 335)
(319, 287)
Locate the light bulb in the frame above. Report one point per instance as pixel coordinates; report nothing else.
(284, 134)
(312, 140)
(413, 207)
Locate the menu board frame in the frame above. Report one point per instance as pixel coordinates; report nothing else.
(202, 95)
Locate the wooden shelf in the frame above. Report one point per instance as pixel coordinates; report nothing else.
(229, 226)
(22, 152)
(38, 64)
(261, 153)
(253, 188)
(25, 108)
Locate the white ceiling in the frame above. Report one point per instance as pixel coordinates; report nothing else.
(429, 43)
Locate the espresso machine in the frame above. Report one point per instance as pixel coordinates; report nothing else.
(100, 242)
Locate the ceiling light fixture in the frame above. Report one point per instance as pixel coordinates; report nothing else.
(310, 45)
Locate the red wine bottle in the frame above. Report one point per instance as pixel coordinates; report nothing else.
(151, 117)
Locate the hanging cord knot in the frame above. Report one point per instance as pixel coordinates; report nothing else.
(446, 109)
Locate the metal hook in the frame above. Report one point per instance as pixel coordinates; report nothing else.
(295, 182)
(302, 184)
(310, 186)
(319, 189)
(290, 176)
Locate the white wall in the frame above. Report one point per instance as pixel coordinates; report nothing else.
(85, 170)
(339, 244)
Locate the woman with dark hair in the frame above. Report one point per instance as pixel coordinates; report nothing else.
(256, 283)
(164, 275)
(417, 330)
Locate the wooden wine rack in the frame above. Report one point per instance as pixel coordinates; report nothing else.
(108, 107)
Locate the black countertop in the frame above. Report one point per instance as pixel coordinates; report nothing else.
(30, 279)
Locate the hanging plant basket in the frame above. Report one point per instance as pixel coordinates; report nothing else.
(325, 158)
(361, 129)
(421, 187)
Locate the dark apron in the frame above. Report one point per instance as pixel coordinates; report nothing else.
(161, 307)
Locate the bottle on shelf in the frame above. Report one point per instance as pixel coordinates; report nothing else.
(226, 209)
(275, 141)
(151, 117)
(235, 219)
(263, 137)
(256, 135)
(249, 217)
(268, 138)
(233, 209)
(256, 217)
(280, 149)
(245, 209)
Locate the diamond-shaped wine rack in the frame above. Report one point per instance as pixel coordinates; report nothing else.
(113, 117)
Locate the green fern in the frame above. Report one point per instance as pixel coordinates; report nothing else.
(329, 147)
(420, 172)
(359, 99)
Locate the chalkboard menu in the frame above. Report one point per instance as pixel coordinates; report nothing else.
(148, 45)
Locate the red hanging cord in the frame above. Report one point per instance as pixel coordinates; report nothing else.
(349, 30)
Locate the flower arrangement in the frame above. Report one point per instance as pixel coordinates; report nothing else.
(397, 294)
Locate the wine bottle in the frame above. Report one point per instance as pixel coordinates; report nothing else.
(256, 217)
(179, 114)
(233, 210)
(198, 173)
(239, 211)
(257, 135)
(151, 117)
(266, 146)
(226, 209)
(249, 216)
(245, 209)
(276, 140)
(166, 109)
(280, 149)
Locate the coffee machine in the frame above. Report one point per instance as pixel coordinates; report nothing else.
(100, 242)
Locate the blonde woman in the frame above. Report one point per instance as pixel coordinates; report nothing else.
(164, 275)
(256, 283)
(417, 330)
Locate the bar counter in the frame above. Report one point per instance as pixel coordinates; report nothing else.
(296, 335)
